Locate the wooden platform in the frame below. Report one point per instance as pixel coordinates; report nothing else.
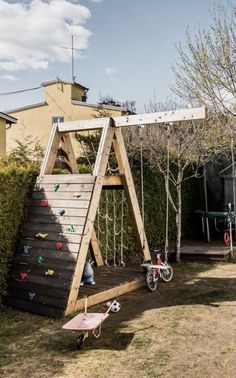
(205, 252)
(111, 282)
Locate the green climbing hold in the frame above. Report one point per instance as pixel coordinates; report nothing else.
(56, 187)
(39, 260)
(70, 228)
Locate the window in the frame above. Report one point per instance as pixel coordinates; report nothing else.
(57, 119)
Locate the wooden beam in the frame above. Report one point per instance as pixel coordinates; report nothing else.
(161, 117)
(134, 120)
(51, 151)
(124, 168)
(109, 294)
(83, 125)
(101, 147)
(68, 148)
(95, 250)
(113, 181)
(89, 225)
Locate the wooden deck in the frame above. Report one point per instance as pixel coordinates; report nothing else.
(111, 282)
(204, 251)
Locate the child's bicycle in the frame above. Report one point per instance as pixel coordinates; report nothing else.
(159, 270)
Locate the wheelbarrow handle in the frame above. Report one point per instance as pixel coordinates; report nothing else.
(109, 309)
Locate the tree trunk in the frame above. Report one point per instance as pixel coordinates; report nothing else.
(178, 219)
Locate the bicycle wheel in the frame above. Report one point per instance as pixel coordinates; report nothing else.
(151, 284)
(167, 274)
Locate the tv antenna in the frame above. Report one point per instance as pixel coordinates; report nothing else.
(72, 57)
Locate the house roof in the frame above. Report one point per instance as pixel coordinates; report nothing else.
(46, 83)
(9, 119)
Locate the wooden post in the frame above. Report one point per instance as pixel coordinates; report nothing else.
(89, 225)
(51, 151)
(124, 168)
(68, 148)
(95, 250)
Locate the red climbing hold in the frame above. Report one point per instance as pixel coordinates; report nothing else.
(23, 276)
(44, 203)
(227, 239)
(58, 246)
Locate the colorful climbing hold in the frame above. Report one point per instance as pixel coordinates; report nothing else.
(62, 212)
(39, 259)
(56, 187)
(23, 276)
(58, 246)
(44, 203)
(49, 272)
(41, 236)
(31, 295)
(70, 228)
(26, 249)
(76, 195)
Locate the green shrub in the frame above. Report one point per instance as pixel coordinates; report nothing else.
(16, 184)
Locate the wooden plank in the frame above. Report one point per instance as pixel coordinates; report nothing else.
(76, 195)
(53, 236)
(60, 220)
(101, 147)
(109, 294)
(113, 181)
(95, 250)
(44, 299)
(72, 187)
(39, 270)
(44, 281)
(44, 244)
(58, 292)
(46, 253)
(139, 119)
(91, 124)
(68, 148)
(33, 228)
(161, 117)
(54, 211)
(34, 307)
(88, 230)
(132, 200)
(56, 258)
(63, 204)
(51, 151)
(66, 179)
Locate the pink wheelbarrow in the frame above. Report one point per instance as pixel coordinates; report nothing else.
(87, 322)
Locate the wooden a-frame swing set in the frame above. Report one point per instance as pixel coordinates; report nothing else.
(51, 285)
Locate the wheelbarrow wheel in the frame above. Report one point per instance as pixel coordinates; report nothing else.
(151, 284)
(80, 342)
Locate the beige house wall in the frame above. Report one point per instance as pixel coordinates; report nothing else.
(2, 136)
(36, 121)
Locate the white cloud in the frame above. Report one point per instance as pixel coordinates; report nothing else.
(109, 71)
(8, 77)
(34, 32)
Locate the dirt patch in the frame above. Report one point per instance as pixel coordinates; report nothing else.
(186, 328)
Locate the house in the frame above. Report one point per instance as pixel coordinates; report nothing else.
(5, 122)
(63, 101)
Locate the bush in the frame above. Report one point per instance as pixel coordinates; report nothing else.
(15, 187)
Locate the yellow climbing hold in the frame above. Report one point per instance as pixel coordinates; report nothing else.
(41, 236)
(49, 272)
(77, 195)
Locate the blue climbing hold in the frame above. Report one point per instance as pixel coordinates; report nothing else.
(31, 295)
(26, 249)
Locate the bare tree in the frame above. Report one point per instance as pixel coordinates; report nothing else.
(174, 148)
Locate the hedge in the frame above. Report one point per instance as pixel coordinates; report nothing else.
(16, 184)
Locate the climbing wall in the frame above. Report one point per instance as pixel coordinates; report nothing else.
(45, 259)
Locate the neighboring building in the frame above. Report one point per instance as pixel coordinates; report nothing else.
(5, 122)
(64, 101)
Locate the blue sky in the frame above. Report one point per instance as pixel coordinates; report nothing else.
(126, 46)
